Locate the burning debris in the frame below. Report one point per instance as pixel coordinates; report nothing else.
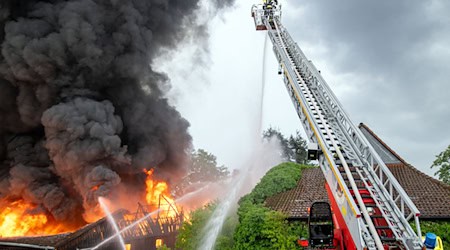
(81, 110)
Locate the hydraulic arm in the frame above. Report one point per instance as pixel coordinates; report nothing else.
(371, 208)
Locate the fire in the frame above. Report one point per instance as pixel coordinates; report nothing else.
(20, 218)
(158, 195)
(16, 219)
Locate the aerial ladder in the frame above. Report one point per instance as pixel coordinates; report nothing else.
(370, 208)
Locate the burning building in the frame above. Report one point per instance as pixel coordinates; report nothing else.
(139, 230)
(82, 113)
(153, 224)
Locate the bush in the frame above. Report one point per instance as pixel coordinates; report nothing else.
(260, 227)
(257, 227)
(440, 228)
(225, 240)
(189, 235)
(279, 179)
(191, 232)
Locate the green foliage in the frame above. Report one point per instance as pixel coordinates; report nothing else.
(202, 168)
(190, 233)
(225, 240)
(279, 179)
(260, 227)
(299, 147)
(440, 228)
(299, 228)
(257, 227)
(293, 149)
(442, 162)
(286, 152)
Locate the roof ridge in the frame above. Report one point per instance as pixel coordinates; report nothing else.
(399, 157)
(382, 142)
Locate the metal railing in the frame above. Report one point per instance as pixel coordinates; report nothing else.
(386, 183)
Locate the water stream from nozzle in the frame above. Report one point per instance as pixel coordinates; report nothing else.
(215, 223)
(118, 233)
(111, 221)
(137, 222)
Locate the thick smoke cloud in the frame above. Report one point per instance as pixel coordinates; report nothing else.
(81, 109)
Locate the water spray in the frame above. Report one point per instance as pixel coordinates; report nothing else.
(214, 225)
(111, 220)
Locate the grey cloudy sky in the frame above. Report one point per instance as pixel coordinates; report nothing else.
(388, 62)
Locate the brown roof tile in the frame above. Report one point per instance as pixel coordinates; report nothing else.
(432, 197)
(295, 202)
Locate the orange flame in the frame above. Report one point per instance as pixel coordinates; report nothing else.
(16, 220)
(158, 195)
(19, 218)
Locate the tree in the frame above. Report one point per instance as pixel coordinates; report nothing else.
(298, 145)
(292, 149)
(443, 163)
(254, 226)
(190, 233)
(286, 152)
(278, 179)
(261, 228)
(440, 228)
(203, 168)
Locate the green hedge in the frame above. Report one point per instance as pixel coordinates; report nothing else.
(280, 178)
(255, 227)
(190, 233)
(260, 227)
(440, 228)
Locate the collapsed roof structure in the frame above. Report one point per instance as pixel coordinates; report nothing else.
(140, 230)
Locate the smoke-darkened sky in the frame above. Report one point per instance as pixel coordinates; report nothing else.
(82, 112)
(387, 61)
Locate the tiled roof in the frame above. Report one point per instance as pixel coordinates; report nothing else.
(432, 197)
(295, 202)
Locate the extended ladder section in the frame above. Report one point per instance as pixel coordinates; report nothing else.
(374, 206)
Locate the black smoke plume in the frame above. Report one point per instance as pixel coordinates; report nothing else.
(81, 109)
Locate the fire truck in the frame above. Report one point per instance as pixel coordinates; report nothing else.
(368, 208)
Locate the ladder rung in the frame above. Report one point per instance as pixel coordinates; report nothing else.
(388, 239)
(356, 178)
(364, 196)
(359, 183)
(341, 169)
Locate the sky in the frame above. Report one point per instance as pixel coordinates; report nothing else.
(388, 62)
